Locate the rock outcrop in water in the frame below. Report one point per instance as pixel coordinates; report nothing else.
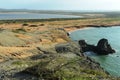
(102, 48)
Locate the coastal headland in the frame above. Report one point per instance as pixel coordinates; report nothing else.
(41, 49)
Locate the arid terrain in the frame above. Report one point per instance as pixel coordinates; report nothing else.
(34, 50)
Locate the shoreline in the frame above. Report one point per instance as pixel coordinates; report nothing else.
(81, 29)
(84, 28)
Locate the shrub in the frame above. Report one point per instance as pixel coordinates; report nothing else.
(42, 24)
(33, 26)
(19, 30)
(25, 24)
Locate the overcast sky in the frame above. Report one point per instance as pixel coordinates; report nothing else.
(61, 4)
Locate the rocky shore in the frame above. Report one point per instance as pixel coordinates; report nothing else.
(68, 63)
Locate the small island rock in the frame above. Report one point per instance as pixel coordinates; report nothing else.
(102, 48)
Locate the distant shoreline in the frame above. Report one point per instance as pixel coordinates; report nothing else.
(38, 20)
(13, 12)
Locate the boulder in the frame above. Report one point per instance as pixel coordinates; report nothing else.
(67, 47)
(62, 49)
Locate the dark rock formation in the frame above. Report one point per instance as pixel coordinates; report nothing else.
(102, 48)
(68, 34)
(86, 47)
(62, 49)
(98, 26)
(67, 47)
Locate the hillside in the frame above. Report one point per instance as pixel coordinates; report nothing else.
(43, 50)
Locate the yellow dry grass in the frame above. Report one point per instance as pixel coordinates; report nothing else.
(15, 52)
(21, 36)
(49, 35)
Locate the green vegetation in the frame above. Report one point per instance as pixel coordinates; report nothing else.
(18, 63)
(36, 20)
(22, 62)
(25, 24)
(61, 66)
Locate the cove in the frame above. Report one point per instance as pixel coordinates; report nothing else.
(111, 62)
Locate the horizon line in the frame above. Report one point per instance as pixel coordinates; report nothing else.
(61, 10)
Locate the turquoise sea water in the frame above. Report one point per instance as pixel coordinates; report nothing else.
(111, 62)
(9, 16)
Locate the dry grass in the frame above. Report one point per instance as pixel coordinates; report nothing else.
(21, 36)
(15, 52)
(48, 34)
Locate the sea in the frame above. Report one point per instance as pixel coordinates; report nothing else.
(111, 62)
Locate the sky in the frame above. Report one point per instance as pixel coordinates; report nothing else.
(99, 5)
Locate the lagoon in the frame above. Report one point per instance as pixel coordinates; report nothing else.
(11, 16)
